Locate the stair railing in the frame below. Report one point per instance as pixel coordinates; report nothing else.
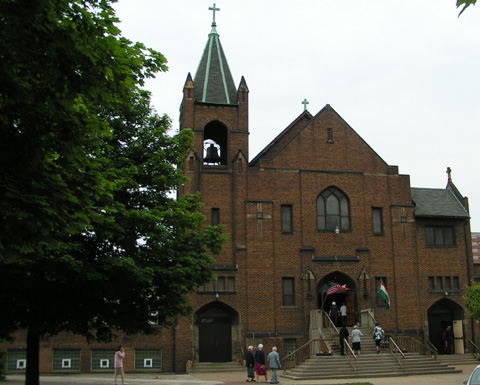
(413, 345)
(474, 347)
(352, 357)
(300, 355)
(332, 329)
(395, 351)
(433, 349)
(372, 317)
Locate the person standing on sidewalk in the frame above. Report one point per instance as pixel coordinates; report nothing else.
(250, 364)
(274, 363)
(378, 335)
(118, 364)
(260, 367)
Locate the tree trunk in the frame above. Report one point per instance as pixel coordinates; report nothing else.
(33, 358)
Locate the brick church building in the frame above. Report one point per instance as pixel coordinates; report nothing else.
(317, 207)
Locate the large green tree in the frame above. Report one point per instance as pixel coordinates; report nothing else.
(465, 4)
(90, 239)
(472, 299)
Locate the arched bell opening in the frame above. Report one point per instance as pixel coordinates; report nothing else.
(215, 144)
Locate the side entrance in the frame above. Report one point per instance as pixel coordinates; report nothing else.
(216, 324)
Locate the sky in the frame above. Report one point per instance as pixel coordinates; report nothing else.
(405, 75)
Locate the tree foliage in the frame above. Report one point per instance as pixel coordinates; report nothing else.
(465, 4)
(472, 299)
(90, 240)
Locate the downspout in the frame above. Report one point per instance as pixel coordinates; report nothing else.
(419, 284)
(469, 273)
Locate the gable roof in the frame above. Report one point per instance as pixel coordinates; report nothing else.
(213, 79)
(282, 139)
(305, 144)
(440, 203)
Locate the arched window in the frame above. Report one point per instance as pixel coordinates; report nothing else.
(333, 210)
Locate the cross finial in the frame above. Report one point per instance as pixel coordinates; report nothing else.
(449, 172)
(213, 9)
(305, 102)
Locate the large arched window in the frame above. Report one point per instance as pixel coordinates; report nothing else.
(333, 211)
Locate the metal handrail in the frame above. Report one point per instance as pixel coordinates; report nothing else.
(331, 324)
(349, 352)
(469, 341)
(395, 351)
(296, 351)
(433, 349)
(372, 317)
(430, 348)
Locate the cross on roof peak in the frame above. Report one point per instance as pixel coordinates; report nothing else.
(305, 102)
(214, 8)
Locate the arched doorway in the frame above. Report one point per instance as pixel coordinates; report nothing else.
(214, 326)
(441, 314)
(340, 297)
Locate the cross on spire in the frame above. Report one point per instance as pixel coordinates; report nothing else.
(305, 102)
(213, 9)
(449, 173)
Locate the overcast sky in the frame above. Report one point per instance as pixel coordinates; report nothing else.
(405, 75)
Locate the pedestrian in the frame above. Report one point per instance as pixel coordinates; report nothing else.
(343, 337)
(356, 340)
(250, 364)
(449, 338)
(333, 313)
(260, 367)
(118, 364)
(274, 363)
(378, 335)
(343, 314)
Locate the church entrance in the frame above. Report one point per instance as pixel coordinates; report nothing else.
(442, 314)
(340, 297)
(214, 325)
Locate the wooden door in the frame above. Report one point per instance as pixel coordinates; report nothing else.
(350, 302)
(215, 341)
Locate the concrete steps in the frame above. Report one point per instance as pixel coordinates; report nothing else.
(368, 365)
(458, 359)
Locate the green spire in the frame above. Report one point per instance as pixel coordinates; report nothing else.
(213, 79)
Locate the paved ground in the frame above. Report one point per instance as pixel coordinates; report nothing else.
(237, 378)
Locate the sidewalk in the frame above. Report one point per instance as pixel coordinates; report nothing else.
(237, 378)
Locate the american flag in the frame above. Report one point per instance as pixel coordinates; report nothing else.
(336, 288)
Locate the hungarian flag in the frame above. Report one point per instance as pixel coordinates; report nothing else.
(336, 288)
(383, 292)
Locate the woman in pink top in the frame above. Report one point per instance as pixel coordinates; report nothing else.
(118, 364)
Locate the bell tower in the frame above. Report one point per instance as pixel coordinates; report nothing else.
(216, 167)
(217, 113)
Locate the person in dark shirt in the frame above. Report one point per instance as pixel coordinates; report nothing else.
(343, 336)
(250, 364)
(260, 367)
(449, 339)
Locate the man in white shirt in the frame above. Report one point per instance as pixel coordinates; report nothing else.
(343, 313)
